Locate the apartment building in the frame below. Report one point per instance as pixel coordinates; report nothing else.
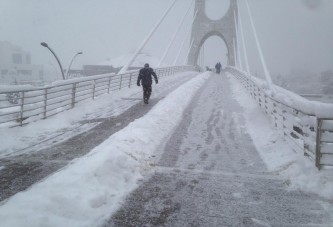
(16, 67)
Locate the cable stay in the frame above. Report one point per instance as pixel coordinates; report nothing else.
(175, 34)
(266, 72)
(184, 40)
(125, 68)
(243, 43)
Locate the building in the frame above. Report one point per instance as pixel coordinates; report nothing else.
(16, 67)
(91, 70)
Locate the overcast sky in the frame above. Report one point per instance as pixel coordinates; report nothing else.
(293, 33)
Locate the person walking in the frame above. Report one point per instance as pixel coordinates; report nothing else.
(145, 78)
(218, 67)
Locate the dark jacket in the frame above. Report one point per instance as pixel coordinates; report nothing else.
(145, 76)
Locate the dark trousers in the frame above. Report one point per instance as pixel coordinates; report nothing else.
(146, 91)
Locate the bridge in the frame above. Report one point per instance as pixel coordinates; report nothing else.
(210, 149)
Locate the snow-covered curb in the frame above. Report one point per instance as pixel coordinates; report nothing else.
(90, 188)
(298, 171)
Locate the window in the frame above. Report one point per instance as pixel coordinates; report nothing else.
(41, 75)
(28, 59)
(25, 72)
(4, 72)
(17, 58)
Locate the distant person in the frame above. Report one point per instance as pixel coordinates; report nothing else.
(145, 77)
(218, 67)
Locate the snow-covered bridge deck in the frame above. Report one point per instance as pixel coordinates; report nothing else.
(201, 164)
(40, 149)
(210, 173)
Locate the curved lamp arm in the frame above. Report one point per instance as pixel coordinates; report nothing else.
(47, 46)
(70, 64)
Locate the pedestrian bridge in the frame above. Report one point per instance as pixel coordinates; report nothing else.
(306, 125)
(207, 173)
(195, 164)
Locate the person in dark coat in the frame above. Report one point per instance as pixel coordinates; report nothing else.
(145, 77)
(218, 67)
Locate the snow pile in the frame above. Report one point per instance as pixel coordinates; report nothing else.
(81, 79)
(9, 88)
(60, 127)
(324, 110)
(85, 192)
(298, 171)
(321, 110)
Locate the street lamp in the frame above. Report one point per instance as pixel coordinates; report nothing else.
(70, 64)
(47, 46)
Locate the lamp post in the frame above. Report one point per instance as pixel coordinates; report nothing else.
(70, 63)
(47, 46)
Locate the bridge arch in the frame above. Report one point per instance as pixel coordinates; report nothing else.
(204, 39)
(203, 28)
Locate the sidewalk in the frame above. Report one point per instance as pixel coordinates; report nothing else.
(211, 174)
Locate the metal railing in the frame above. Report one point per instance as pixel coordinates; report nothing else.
(303, 129)
(21, 105)
(324, 142)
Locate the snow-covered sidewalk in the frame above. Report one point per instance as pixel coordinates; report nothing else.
(85, 192)
(298, 171)
(47, 132)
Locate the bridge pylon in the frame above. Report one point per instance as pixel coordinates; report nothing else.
(203, 28)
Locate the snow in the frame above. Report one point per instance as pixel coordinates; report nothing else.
(90, 188)
(297, 170)
(16, 139)
(9, 88)
(81, 79)
(321, 110)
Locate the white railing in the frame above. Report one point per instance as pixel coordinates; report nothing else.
(306, 125)
(20, 105)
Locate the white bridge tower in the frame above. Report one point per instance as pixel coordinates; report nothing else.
(203, 28)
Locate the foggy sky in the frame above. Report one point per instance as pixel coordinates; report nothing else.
(293, 33)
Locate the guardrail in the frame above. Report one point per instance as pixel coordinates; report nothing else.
(20, 105)
(306, 125)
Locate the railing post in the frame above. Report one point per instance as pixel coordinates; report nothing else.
(22, 105)
(73, 94)
(121, 80)
(318, 135)
(93, 92)
(130, 80)
(45, 102)
(109, 86)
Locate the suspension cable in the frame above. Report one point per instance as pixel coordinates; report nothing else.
(235, 54)
(188, 52)
(125, 68)
(203, 56)
(184, 40)
(175, 34)
(267, 74)
(243, 42)
(240, 62)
